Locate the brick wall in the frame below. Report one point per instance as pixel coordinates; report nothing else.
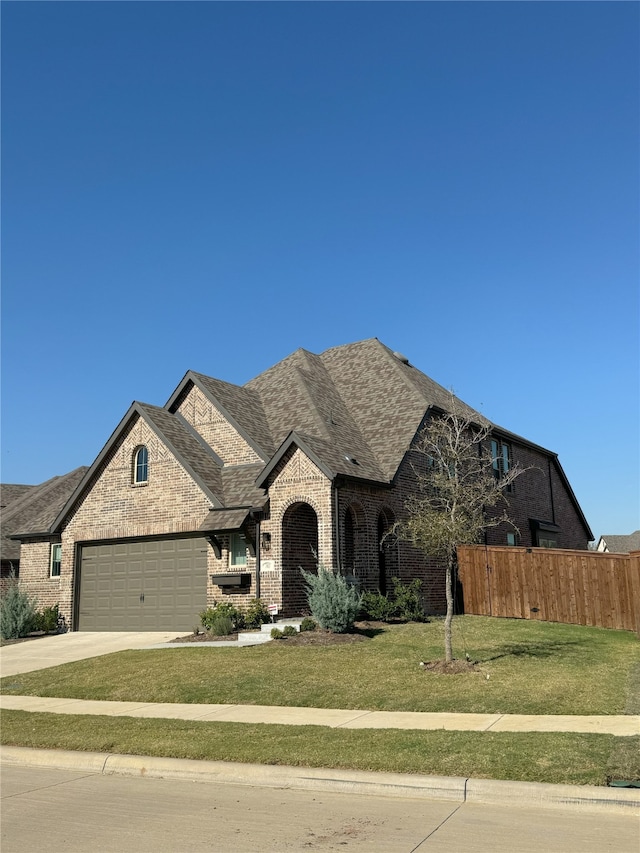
(295, 483)
(35, 561)
(8, 575)
(115, 508)
(540, 494)
(302, 504)
(223, 439)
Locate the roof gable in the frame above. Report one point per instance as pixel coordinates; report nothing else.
(240, 406)
(300, 396)
(198, 460)
(621, 544)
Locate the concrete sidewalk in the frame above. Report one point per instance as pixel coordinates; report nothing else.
(621, 725)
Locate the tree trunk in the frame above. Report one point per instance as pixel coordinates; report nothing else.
(448, 649)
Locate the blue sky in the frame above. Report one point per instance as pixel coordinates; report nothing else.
(210, 186)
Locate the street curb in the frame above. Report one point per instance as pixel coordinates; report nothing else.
(455, 789)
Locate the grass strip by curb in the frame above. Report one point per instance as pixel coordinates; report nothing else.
(569, 758)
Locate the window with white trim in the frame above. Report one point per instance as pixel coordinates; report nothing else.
(237, 549)
(56, 561)
(141, 465)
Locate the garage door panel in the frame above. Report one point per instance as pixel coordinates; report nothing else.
(170, 575)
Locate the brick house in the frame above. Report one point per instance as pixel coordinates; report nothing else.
(30, 508)
(227, 490)
(620, 544)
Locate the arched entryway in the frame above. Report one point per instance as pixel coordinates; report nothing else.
(299, 549)
(354, 550)
(387, 551)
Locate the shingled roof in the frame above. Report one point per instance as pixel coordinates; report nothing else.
(35, 509)
(355, 409)
(621, 544)
(10, 492)
(358, 401)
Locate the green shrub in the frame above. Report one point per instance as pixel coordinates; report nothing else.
(257, 614)
(276, 634)
(405, 603)
(221, 626)
(308, 624)
(17, 612)
(334, 604)
(219, 610)
(289, 631)
(377, 606)
(46, 620)
(407, 600)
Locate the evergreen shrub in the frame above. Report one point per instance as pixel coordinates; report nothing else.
(404, 603)
(17, 612)
(334, 603)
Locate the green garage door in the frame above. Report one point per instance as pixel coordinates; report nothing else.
(158, 585)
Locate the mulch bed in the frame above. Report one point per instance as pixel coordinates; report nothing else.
(323, 638)
(203, 637)
(302, 638)
(35, 636)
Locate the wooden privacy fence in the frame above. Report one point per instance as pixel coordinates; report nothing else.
(551, 584)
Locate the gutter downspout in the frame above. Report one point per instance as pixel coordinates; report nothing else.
(553, 508)
(336, 515)
(257, 520)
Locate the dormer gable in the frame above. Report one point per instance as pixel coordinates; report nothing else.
(228, 418)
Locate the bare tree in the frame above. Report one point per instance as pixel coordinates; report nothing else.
(462, 489)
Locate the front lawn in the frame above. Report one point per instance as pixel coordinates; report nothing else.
(525, 667)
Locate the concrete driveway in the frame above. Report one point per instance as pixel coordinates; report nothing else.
(76, 645)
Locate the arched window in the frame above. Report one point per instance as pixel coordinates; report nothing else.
(141, 465)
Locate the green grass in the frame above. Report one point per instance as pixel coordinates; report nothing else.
(559, 758)
(525, 667)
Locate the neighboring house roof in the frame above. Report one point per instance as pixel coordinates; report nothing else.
(620, 544)
(10, 492)
(35, 508)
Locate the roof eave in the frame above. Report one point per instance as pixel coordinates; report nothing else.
(18, 537)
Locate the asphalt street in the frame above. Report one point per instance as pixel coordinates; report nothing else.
(75, 811)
